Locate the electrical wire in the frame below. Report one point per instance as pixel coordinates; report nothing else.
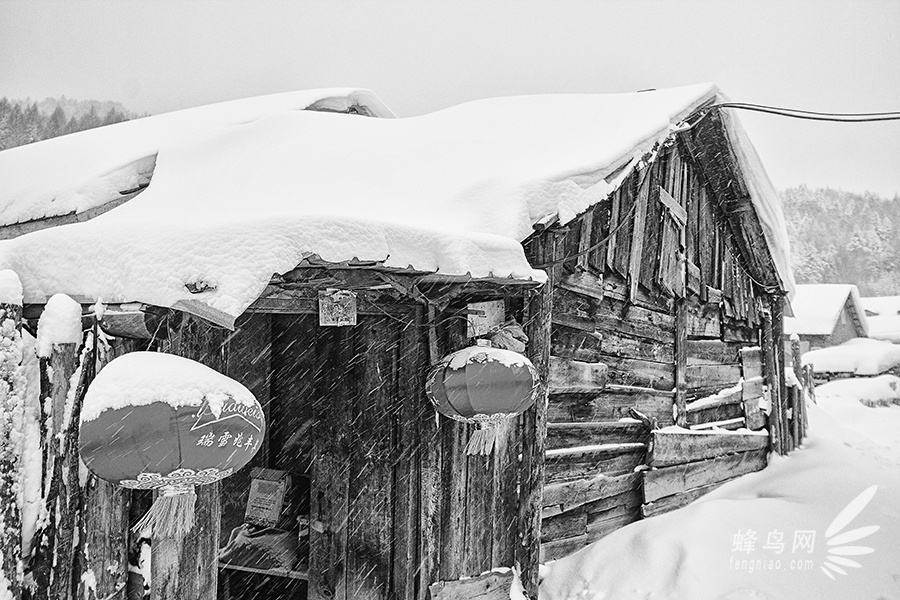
(794, 113)
(797, 113)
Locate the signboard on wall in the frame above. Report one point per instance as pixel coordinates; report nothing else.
(484, 317)
(337, 308)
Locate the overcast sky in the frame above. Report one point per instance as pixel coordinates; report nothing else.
(840, 56)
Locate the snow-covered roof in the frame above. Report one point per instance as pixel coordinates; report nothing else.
(882, 305)
(883, 317)
(886, 327)
(817, 308)
(74, 173)
(453, 192)
(862, 356)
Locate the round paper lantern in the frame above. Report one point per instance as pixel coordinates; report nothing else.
(482, 385)
(159, 421)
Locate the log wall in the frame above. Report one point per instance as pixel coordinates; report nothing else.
(663, 301)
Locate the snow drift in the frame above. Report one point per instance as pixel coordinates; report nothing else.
(768, 535)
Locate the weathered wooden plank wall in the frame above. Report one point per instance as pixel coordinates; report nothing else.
(395, 504)
(668, 307)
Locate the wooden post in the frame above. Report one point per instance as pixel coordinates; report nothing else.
(681, 361)
(189, 567)
(772, 381)
(800, 404)
(810, 387)
(777, 303)
(534, 440)
(52, 558)
(103, 547)
(12, 403)
(797, 358)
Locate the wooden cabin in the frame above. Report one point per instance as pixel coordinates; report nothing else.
(826, 315)
(666, 277)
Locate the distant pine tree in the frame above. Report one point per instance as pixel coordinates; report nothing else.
(24, 121)
(841, 237)
(56, 124)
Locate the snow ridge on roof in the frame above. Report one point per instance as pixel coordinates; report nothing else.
(76, 172)
(453, 192)
(817, 308)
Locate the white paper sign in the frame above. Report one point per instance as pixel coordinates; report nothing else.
(337, 308)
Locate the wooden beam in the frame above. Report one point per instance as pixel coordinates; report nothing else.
(673, 448)
(538, 313)
(666, 481)
(776, 423)
(777, 303)
(637, 239)
(681, 378)
(17, 229)
(571, 494)
(567, 435)
(675, 501)
(490, 586)
(576, 376)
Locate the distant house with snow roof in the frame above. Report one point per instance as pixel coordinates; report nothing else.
(883, 315)
(635, 238)
(826, 315)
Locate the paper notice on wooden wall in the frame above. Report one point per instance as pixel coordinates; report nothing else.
(337, 308)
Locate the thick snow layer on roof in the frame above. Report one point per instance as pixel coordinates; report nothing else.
(818, 307)
(862, 356)
(882, 305)
(76, 172)
(885, 327)
(141, 378)
(740, 542)
(453, 192)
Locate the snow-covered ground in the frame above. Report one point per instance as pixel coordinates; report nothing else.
(822, 523)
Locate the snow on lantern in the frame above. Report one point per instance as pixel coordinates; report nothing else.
(164, 422)
(482, 385)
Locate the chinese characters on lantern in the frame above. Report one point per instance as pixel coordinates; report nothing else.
(210, 440)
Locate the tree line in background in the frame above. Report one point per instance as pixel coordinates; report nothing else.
(842, 237)
(23, 121)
